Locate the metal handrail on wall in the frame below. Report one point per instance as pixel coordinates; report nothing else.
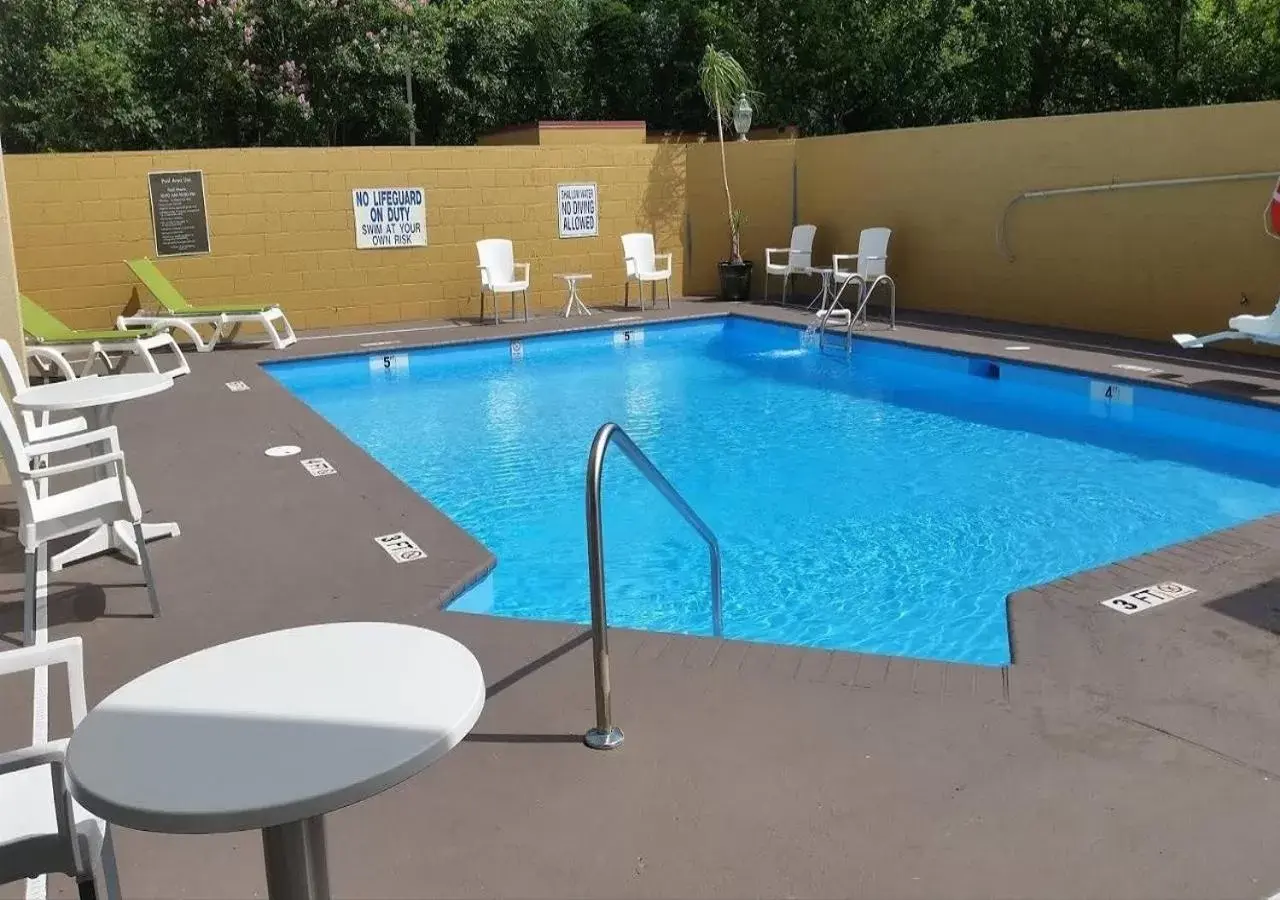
(1002, 233)
(605, 735)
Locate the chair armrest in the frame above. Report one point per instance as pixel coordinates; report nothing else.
(837, 258)
(68, 652)
(525, 266)
(30, 757)
(769, 251)
(50, 358)
(115, 460)
(107, 436)
(24, 659)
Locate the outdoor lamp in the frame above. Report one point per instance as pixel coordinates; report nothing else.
(742, 117)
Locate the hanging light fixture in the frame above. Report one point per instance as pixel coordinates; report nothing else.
(742, 117)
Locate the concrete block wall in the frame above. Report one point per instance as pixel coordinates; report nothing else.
(282, 227)
(1141, 263)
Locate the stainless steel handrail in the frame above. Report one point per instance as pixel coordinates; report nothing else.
(605, 735)
(1002, 241)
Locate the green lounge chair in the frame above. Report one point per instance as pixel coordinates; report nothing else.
(226, 318)
(52, 342)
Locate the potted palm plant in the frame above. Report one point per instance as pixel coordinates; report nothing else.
(724, 83)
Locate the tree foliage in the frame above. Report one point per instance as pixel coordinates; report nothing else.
(129, 74)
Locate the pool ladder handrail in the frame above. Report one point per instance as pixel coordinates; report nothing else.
(865, 291)
(605, 735)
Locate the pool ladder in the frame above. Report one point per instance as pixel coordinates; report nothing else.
(864, 297)
(605, 735)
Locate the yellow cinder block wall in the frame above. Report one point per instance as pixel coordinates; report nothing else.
(282, 227)
(1142, 263)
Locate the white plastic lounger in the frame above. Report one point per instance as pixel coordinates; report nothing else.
(1259, 329)
(53, 343)
(183, 316)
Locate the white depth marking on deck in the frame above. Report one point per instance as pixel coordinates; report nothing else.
(237, 386)
(37, 887)
(318, 465)
(1018, 347)
(400, 547)
(391, 343)
(283, 450)
(1130, 367)
(331, 337)
(627, 319)
(1148, 597)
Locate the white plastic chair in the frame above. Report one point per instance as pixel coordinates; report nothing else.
(498, 275)
(43, 428)
(798, 259)
(42, 829)
(45, 515)
(642, 265)
(868, 274)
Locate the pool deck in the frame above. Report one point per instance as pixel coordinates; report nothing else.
(1119, 757)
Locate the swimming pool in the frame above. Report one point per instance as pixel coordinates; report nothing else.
(887, 501)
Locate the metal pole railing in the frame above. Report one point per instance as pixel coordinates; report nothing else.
(1002, 242)
(605, 735)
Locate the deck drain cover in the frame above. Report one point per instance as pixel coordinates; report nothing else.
(283, 450)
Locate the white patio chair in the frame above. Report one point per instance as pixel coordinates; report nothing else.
(498, 275)
(45, 515)
(42, 428)
(642, 266)
(868, 274)
(42, 829)
(794, 260)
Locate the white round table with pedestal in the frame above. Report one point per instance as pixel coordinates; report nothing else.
(272, 732)
(97, 398)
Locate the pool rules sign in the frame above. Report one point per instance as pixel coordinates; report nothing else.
(390, 217)
(579, 210)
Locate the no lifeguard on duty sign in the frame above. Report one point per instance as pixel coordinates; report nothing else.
(390, 217)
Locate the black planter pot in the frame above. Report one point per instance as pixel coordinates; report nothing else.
(735, 280)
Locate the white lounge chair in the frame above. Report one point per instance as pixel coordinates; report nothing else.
(641, 261)
(498, 275)
(795, 260)
(45, 515)
(868, 274)
(42, 428)
(1259, 329)
(42, 828)
(226, 318)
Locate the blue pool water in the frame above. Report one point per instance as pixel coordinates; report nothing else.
(885, 502)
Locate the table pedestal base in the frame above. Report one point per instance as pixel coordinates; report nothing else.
(116, 536)
(297, 861)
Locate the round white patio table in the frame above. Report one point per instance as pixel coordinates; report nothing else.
(272, 732)
(574, 303)
(98, 398)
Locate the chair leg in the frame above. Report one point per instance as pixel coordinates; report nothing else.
(29, 599)
(668, 284)
(145, 559)
(626, 293)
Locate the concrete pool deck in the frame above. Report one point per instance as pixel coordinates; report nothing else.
(1119, 757)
